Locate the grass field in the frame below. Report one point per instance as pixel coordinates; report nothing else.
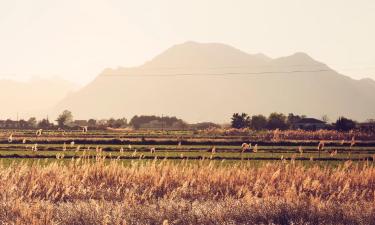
(106, 178)
(168, 192)
(22, 146)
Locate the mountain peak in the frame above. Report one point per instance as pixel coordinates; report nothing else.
(298, 58)
(197, 55)
(305, 91)
(302, 55)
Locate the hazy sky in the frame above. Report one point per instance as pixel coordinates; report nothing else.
(77, 39)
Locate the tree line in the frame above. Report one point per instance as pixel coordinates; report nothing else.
(66, 121)
(281, 121)
(239, 120)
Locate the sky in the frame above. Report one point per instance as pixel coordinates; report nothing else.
(77, 39)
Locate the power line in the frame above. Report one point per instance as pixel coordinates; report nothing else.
(223, 67)
(143, 68)
(215, 74)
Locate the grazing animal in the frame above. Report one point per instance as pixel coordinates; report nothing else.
(152, 150)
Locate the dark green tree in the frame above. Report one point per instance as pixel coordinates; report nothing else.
(344, 124)
(258, 122)
(22, 124)
(64, 118)
(293, 119)
(166, 121)
(240, 120)
(277, 120)
(91, 123)
(45, 124)
(32, 122)
(117, 123)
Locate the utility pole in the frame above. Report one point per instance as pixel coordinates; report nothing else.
(162, 123)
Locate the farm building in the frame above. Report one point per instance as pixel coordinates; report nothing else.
(309, 124)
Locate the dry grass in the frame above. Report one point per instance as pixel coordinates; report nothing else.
(83, 192)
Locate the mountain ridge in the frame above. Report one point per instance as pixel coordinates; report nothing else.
(201, 82)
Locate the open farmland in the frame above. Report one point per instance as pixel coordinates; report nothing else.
(162, 192)
(177, 145)
(185, 177)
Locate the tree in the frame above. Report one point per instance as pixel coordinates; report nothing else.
(292, 119)
(165, 121)
(179, 125)
(258, 122)
(344, 124)
(111, 123)
(32, 122)
(64, 118)
(325, 118)
(277, 121)
(117, 123)
(240, 120)
(22, 124)
(10, 124)
(45, 124)
(91, 123)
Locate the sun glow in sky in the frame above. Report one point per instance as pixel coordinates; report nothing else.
(77, 39)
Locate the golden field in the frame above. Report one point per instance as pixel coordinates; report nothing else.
(185, 192)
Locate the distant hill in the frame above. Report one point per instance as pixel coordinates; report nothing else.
(209, 82)
(31, 98)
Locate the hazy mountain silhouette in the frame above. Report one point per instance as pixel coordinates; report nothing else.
(200, 82)
(31, 98)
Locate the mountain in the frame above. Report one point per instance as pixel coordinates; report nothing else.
(209, 82)
(31, 98)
